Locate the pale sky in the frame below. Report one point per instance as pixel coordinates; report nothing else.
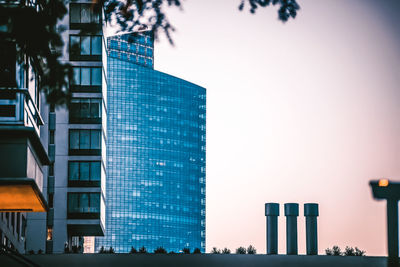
(306, 111)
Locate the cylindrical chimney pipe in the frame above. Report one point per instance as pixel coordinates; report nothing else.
(311, 214)
(272, 213)
(291, 213)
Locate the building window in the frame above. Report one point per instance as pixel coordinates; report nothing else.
(84, 173)
(85, 47)
(85, 110)
(83, 205)
(84, 142)
(87, 79)
(49, 233)
(84, 16)
(141, 50)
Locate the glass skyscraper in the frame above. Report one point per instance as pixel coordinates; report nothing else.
(156, 153)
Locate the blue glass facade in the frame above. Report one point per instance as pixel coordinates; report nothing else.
(155, 156)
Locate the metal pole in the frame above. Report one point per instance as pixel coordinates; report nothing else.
(311, 213)
(393, 232)
(291, 213)
(272, 213)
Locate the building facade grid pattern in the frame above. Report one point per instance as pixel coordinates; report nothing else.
(155, 161)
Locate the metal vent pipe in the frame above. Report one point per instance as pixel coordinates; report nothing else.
(291, 213)
(272, 213)
(311, 214)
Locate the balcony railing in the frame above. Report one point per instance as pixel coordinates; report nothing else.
(18, 3)
(18, 108)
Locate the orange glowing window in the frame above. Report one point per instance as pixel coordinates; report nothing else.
(50, 233)
(383, 182)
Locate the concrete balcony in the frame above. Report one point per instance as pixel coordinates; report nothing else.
(22, 154)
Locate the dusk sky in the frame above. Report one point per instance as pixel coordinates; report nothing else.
(303, 111)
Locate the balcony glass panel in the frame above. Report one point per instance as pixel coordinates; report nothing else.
(95, 140)
(74, 140)
(84, 171)
(96, 45)
(85, 76)
(83, 205)
(96, 76)
(73, 171)
(85, 14)
(85, 45)
(95, 171)
(84, 139)
(74, 13)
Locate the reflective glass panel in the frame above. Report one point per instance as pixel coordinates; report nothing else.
(74, 13)
(96, 45)
(84, 171)
(84, 108)
(95, 108)
(85, 45)
(85, 13)
(74, 139)
(73, 170)
(95, 139)
(73, 202)
(84, 202)
(84, 139)
(95, 202)
(85, 76)
(95, 171)
(77, 76)
(96, 76)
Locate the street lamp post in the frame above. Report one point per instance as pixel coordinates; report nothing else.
(383, 189)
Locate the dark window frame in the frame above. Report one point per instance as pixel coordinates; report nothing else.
(84, 183)
(92, 25)
(75, 53)
(89, 151)
(83, 215)
(82, 119)
(86, 88)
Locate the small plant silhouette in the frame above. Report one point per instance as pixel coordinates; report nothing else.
(142, 250)
(348, 251)
(160, 250)
(215, 251)
(196, 251)
(186, 250)
(133, 250)
(336, 251)
(241, 250)
(359, 252)
(226, 251)
(251, 250)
